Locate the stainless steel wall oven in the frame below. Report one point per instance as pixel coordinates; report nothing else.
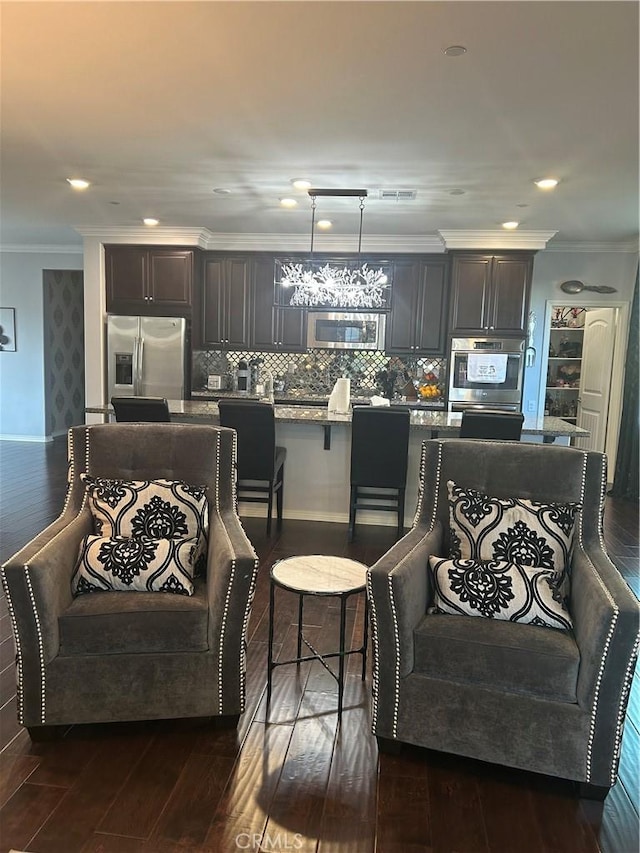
(486, 373)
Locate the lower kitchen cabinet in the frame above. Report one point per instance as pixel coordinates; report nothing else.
(273, 328)
(417, 321)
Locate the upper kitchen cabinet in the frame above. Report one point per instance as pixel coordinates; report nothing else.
(224, 316)
(417, 320)
(490, 293)
(274, 328)
(149, 280)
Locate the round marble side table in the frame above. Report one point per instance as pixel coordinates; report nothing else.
(319, 575)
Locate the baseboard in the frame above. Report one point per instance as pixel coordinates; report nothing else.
(43, 439)
(382, 519)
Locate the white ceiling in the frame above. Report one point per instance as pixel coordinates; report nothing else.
(158, 103)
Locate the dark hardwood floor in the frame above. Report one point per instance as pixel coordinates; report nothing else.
(294, 783)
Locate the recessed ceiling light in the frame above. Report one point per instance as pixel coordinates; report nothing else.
(288, 202)
(510, 226)
(457, 192)
(221, 191)
(455, 50)
(78, 183)
(522, 205)
(150, 221)
(301, 183)
(324, 224)
(546, 183)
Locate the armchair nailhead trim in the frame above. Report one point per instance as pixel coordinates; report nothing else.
(223, 628)
(614, 619)
(16, 635)
(70, 471)
(628, 677)
(14, 622)
(423, 456)
(242, 660)
(594, 710)
(86, 452)
(40, 644)
(243, 639)
(373, 614)
(396, 638)
(394, 614)
(436, 490)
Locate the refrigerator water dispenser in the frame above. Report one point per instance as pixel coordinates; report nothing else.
(124, 368)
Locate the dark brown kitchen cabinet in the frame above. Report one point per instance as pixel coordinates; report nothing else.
(274, 328)
(149, 280)
(225, 302)
(490, 293)
(417, 320)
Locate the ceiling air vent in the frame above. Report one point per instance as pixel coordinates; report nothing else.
(398, 195)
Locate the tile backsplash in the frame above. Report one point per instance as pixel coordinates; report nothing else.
(314, 372)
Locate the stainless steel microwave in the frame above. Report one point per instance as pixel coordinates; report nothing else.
(341, 330)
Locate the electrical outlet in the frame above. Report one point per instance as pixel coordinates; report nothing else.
(531, 406)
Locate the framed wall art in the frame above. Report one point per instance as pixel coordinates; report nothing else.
(7, 329)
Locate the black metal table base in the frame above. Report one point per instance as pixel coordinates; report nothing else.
(322, 658)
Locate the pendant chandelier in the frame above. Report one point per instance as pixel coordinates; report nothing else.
(324, 284)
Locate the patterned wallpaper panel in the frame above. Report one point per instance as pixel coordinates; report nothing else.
(63, 349)
(314, 372)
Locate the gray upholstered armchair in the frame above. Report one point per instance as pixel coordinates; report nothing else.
(124, 655)
(530, 697)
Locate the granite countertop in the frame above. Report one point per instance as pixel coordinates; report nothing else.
(441, 421)
(301, 398)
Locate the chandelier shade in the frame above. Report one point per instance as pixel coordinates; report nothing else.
(333, 284)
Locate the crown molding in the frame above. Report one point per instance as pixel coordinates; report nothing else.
(628, 246)
(326, 243)
(494, 239)
(42, 249)
(157, 235)
(205, 239)
(438, 242)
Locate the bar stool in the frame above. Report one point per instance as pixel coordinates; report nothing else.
(260, 461)
(141, 409)
(487, 423)
(379, 449)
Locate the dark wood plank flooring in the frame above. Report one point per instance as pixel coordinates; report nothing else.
(297, 782)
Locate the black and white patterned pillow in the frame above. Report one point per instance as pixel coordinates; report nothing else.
(529, 533)
(156, 509)
(499, 590)
(134, 564)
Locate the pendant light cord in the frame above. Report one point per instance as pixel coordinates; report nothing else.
(360, 233)
(313, 219)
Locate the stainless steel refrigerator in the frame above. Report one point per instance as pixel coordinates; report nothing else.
(146, 356)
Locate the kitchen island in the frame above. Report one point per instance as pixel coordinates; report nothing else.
(318, 447)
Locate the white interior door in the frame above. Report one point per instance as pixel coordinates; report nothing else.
(595, 377)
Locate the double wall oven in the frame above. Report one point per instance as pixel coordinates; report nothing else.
(486, 373)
